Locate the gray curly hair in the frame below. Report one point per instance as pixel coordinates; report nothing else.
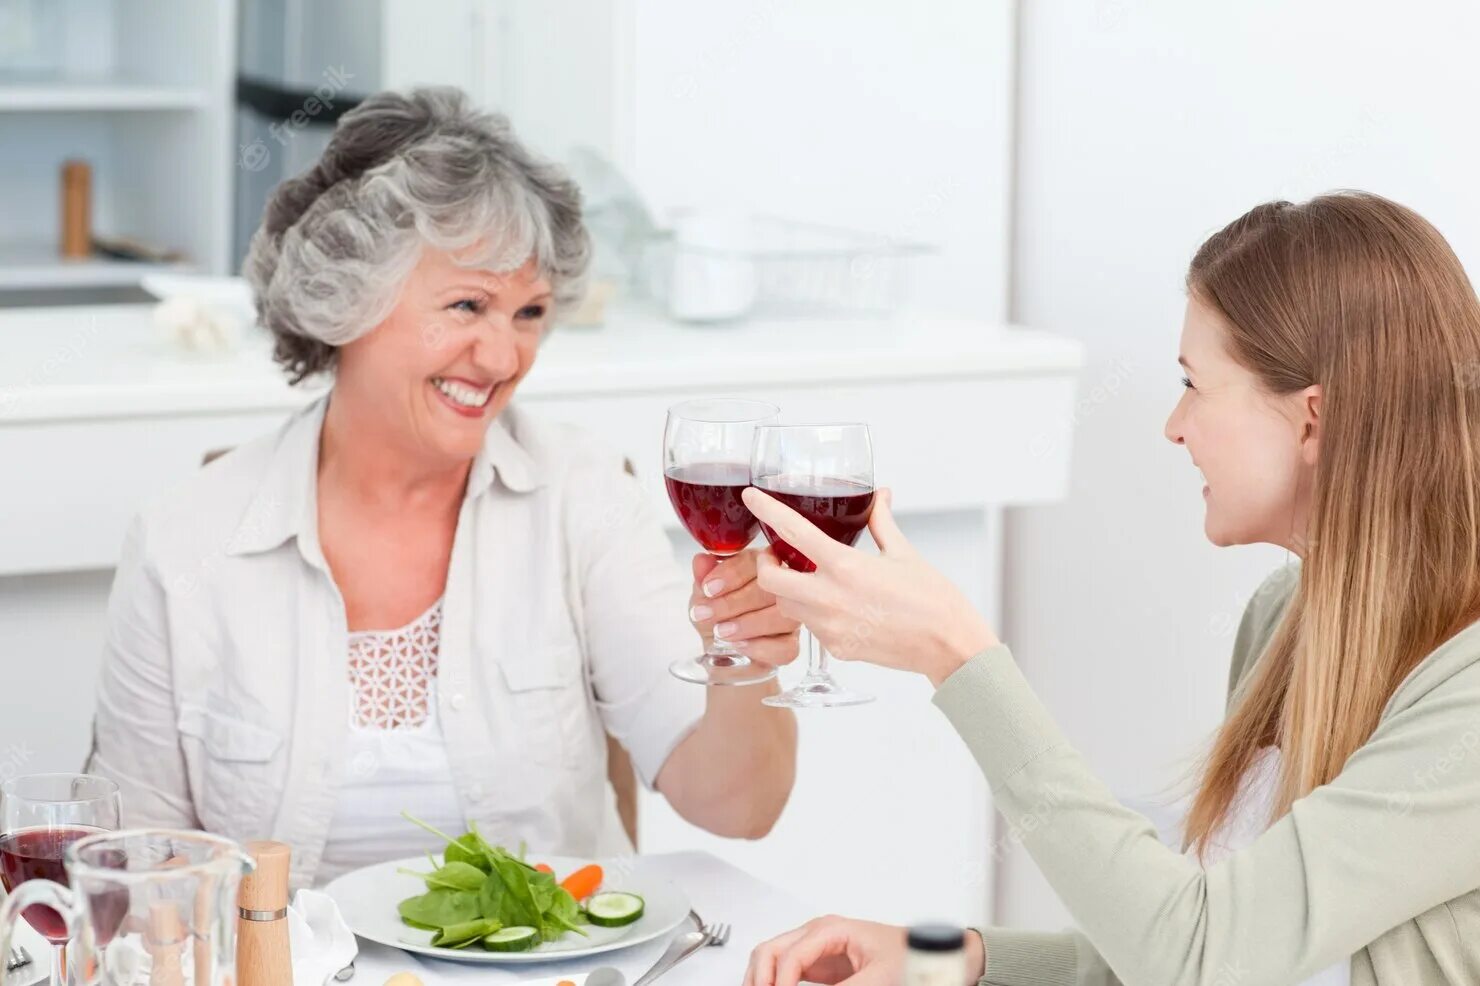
(403, 171)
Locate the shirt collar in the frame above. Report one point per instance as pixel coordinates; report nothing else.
(503, 456)
(284, 505)
(286, 502)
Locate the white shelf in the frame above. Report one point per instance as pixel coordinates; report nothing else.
(95, 95)
(37, 265)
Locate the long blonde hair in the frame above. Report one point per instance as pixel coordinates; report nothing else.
(1364, 297)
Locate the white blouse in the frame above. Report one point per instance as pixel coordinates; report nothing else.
(223, 694)
(1247, 821)
(395, 758)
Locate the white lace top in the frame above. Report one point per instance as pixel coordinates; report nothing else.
(1247, 820)
(395, 758)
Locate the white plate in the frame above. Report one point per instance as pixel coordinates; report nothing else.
(368, 897)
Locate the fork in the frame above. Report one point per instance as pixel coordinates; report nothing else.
(718, 935)
(17, 958)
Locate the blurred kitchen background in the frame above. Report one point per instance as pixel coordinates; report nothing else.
(846, 178)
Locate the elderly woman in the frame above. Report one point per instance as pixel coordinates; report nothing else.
(412, 595)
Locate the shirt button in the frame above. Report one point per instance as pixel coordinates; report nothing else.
(457, 701)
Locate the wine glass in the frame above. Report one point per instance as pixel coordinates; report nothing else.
(40, 816)
(826, 474)
(706, 466)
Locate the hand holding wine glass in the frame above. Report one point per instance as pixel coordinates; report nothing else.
(891, 609)
(728, 601)
(825, 473)
(706, 466)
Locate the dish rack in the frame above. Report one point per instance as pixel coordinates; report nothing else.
(769, 266)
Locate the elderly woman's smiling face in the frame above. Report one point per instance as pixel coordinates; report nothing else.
(446, 360)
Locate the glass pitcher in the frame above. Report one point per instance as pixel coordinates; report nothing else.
(146, 907)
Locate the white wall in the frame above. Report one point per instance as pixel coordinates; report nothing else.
(1144, 127)
(857, 113)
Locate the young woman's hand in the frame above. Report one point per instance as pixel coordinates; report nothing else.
(838, 951)
(892, 609)
(729, 603)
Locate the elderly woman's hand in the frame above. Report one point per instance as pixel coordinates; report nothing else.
(729, 604)
(892, 609)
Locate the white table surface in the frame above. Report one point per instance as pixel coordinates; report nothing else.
(718, 892)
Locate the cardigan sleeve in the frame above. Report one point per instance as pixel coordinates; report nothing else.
(1387, 839)
(1068, 958)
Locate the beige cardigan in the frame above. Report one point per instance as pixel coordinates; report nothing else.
(1382, 864)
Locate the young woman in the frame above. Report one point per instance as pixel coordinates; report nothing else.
(1331, 352)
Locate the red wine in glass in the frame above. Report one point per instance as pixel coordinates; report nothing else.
(839, 507)
(36, 854)
(706, 466)
(706, 497)
(41, 816)
(825, 473)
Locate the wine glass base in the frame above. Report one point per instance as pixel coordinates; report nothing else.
(817, 693)
(722, 670)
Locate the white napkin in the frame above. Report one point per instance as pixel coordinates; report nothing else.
(321, 941)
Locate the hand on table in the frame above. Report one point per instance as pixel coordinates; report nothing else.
(837, 951)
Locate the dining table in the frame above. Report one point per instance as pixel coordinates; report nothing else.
(718, 892)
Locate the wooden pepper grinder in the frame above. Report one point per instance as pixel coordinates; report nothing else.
(263, 957)
(164, 939)
(76, 239)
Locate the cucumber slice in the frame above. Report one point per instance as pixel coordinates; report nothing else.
(515, 939)
(613, 910)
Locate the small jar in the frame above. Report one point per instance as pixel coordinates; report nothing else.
(936, 957)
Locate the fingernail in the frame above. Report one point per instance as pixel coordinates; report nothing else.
(700, 613)
(713, 587)
(725, 629)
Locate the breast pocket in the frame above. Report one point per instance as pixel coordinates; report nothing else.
(236, 780)
(547, 692)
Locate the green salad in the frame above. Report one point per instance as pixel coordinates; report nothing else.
(484, 894)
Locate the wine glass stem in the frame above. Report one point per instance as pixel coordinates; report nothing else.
(717, 647)
(59, 965)
(817, 657)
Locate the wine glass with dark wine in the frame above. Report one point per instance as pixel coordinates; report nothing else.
(706, 466)
(826, 474)
(40, 816)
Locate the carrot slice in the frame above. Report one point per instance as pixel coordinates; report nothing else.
(583, 882)
(544, 867)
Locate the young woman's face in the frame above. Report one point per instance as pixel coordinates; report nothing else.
(1256, 451)
(447, 359)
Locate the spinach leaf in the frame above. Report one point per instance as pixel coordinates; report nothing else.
(457, 876)
(519, 898)
(565, 914)
(467, 849)
(439, 908)
(465, 932)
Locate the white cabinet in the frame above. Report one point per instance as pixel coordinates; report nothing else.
(141, 90)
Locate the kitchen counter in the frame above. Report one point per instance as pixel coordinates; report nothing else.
(110, 360)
